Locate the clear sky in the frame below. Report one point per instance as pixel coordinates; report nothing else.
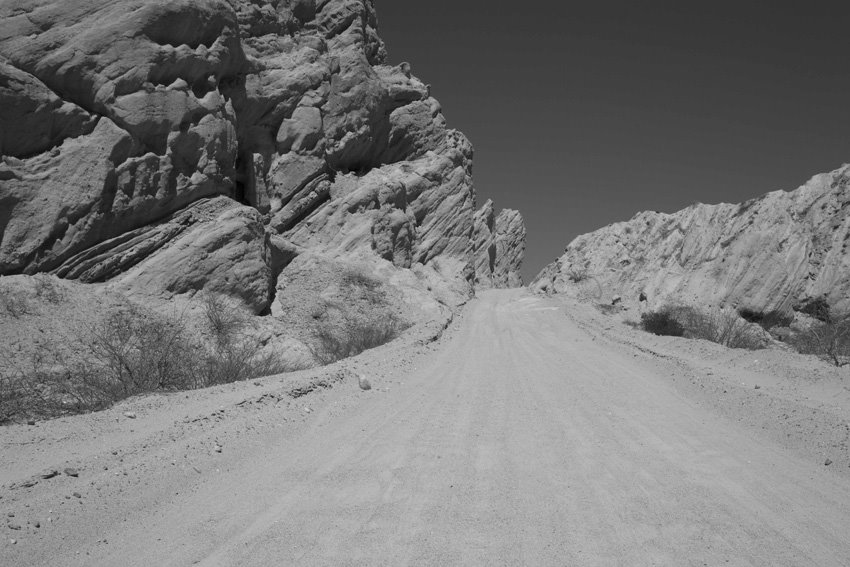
(584, 113)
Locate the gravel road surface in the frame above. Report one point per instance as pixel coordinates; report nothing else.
(521, 440)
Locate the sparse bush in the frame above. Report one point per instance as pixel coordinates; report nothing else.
(224, 319)
(46, 288)
(576, 274)
(817, 308)
(686, 316)
(718, 326)
(828, 340)
(661, 322)
(608, 308)
(16, 302)
(141, 351)
(231, 362)
(46, 385)
(589, 290)
(10, 405)
(130, 351)
(726, 328)
(354, 337)
(367, 287)
(354, 278)
(13, 301)
(236, 354)
(769, 320)
(320, 310)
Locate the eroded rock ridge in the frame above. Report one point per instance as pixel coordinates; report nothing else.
(180, 145)
(499, 247)
(776, 252)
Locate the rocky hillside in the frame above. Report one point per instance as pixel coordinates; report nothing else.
(777, 252)
(173, 146)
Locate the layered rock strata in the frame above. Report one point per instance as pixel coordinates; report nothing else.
(776, 252)
(178, 145)
(499, 247)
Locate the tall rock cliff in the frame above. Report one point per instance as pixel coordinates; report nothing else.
(181, 145)
(499, 247)
(776, 252)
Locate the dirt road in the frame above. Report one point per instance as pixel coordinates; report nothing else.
(522, 440)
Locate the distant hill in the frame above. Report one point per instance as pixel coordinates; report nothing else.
(780, 251)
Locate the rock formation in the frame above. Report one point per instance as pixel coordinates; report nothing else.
(499, 247)
(776, 252)
(172, 146)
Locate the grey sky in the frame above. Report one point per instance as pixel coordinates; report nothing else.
(584, 113)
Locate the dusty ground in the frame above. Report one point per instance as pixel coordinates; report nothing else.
(533, 432)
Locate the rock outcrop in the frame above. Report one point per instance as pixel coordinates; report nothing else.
(777, 252)
(499, 247)
(177, 145)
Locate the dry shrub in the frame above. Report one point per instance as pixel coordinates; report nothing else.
(356, 315)
(17, 301)
(127, 352)
(817, 308)
(238, 361)
(589, 290)
(224, 319)
(47, 384)
(133, 350)
(320, 310)
(364, 287)
(727, 328)
(354, 278)
(719, 326)
(47, 288)
(236, 354)
(576, 274)
(828, 340)
(142, 351)
(353, 337)
(13, 301)
(769, 320)
(608, 309)
(661, 322)
(11, 396)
